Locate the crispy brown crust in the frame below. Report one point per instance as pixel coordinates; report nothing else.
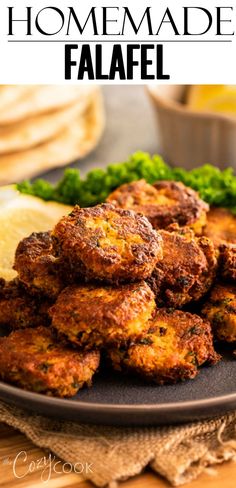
(91, 316)
(108, 244)
(220, 310)
(187, 270)
(220, 226)
(227, 261)
(19, 310)
(178, 343)
(164, 203)
(33, 360)
(36, 265)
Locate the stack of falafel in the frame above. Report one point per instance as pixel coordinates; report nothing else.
(120, 279)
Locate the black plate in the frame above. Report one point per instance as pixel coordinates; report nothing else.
(122, 400)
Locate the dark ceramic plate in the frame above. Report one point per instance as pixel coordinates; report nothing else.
(122, 400)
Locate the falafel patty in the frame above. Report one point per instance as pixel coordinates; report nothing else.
(163, 203)
(108, 244)
(94, 316)
(18, 309)
(227, 261)
(33, 360)
(220, 226)
(36, 266)
(187, 269)
(220, 310)
(176, 345)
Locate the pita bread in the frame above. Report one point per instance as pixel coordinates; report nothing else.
(11, 94)
(36, 130)
(71, 144)
(40, 99)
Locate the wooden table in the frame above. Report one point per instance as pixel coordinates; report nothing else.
(12, 442)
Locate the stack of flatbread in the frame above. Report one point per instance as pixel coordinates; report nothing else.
(46, 126)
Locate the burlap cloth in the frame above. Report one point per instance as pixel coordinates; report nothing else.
(178, 453)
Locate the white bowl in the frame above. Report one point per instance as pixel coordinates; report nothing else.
(190, 138)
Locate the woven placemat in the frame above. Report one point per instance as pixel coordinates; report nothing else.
(178, 453)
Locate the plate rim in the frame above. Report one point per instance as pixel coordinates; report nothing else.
(14, 392)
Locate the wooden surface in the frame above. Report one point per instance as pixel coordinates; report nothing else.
(13, 442)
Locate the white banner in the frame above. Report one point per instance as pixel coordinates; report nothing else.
(108, 41)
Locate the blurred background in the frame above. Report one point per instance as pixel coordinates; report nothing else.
(130, 126)
(43, 128)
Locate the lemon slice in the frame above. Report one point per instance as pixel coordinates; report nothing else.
(214, 98)
(20, 215)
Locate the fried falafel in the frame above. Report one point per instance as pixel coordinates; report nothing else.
(176, 345)
(220, 226)
(33, 360)
(163, 203)
(108, 244)
(36, 265)
(91, 316)
(187, 269)
(227, 261)
(220, 310)
(18, 309)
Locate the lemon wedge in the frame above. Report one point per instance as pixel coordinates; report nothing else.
(20, 215)
(214, 98)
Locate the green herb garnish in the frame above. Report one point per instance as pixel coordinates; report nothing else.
(215, 186)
